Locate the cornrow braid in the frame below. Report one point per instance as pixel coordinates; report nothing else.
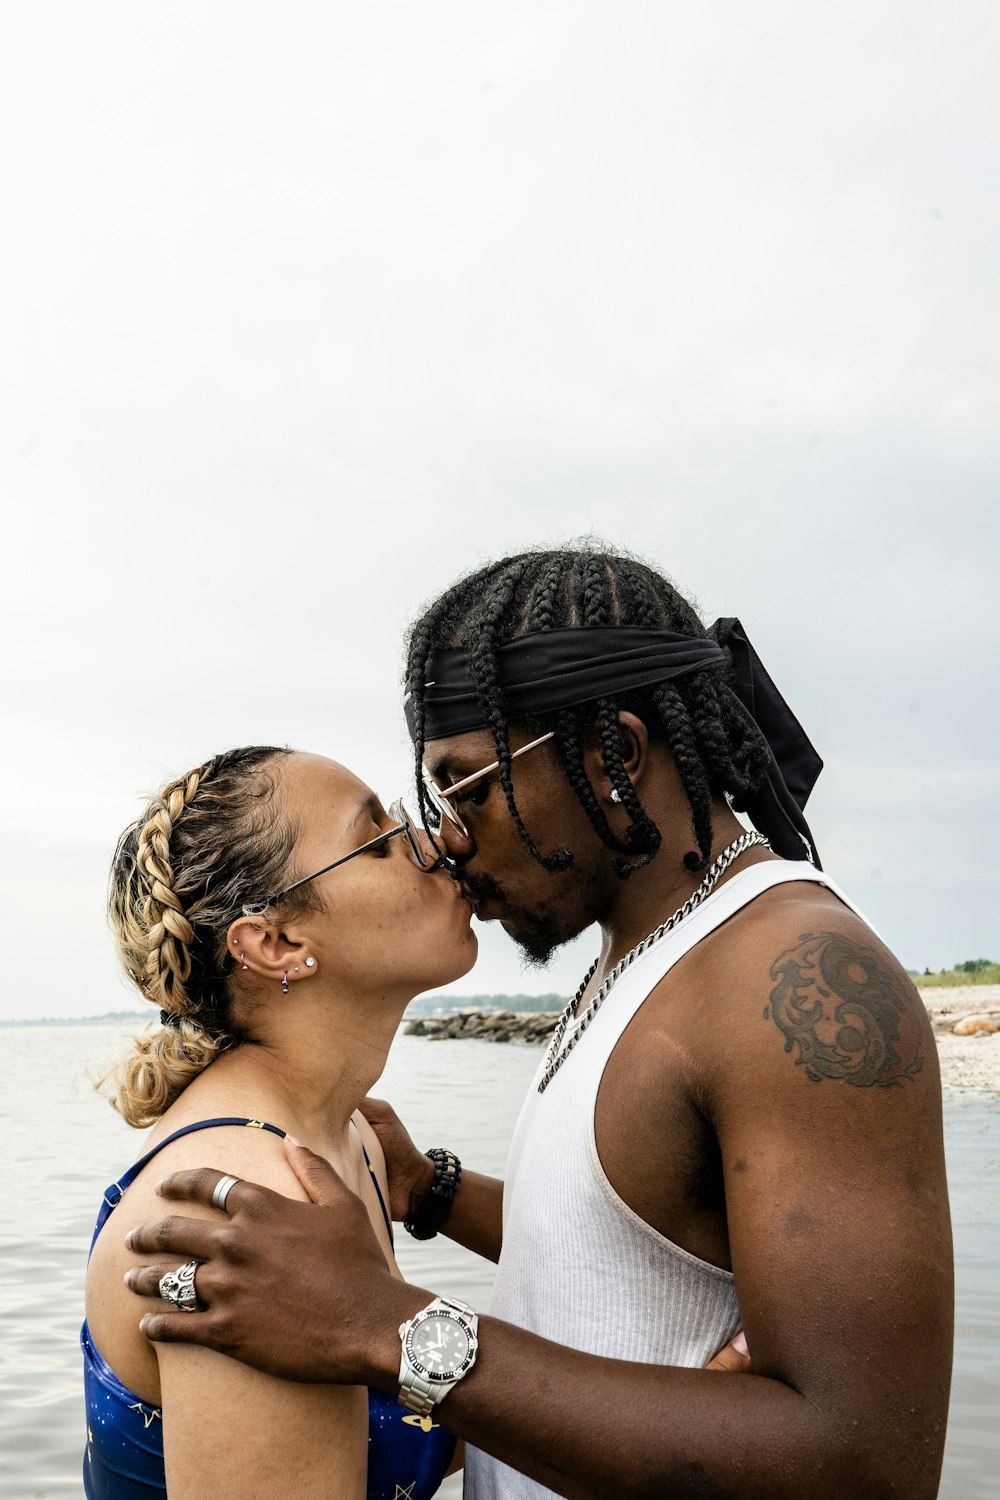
(716, 745)
(683, 744)
(571, 753)
(543, 605)
(486, 671)
(642, 837)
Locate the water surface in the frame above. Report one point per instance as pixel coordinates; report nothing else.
(62, 1145)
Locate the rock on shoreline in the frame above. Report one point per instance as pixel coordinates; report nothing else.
(486, 1026)
(968, 1062)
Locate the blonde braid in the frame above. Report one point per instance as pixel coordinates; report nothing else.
(154, 940)
(168, 932)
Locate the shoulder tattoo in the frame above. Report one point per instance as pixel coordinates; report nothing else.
(843, 1014)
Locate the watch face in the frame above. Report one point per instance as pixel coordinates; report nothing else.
(439, 1347)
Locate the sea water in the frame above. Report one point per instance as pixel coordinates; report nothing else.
(61, 1145)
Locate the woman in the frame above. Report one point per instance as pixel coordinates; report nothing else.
(281, 920)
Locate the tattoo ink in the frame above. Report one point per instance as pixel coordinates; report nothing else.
(843, 1015)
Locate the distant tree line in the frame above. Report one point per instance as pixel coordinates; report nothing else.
(972, 971)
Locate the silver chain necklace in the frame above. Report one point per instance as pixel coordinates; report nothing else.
(557, 1053)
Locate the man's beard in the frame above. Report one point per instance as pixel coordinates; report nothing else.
(535, 933)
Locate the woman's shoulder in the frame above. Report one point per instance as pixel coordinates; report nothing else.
(244, 1145)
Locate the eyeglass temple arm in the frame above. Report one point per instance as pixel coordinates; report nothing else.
(256, 908)
(459, 786)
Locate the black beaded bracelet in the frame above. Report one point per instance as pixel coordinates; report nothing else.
(436, 1206)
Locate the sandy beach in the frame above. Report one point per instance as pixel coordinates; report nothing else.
(970, 1063)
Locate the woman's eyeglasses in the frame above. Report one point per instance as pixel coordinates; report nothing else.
(405, 825)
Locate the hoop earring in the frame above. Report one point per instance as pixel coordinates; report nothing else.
(284, 983)
(243, 961)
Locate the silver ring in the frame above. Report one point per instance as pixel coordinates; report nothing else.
(223, 1188)
(177, 1287)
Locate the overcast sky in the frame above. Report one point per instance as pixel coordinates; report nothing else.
(306, 309)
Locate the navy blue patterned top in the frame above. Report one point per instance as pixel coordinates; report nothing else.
(124, 1457)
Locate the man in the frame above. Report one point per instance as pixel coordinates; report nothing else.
(740, 1122)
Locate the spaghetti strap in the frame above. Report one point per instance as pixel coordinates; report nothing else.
(114, 1193)
(381, 1200)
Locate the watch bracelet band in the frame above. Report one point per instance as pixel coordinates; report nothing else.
(436, 1207)
(415, 1394)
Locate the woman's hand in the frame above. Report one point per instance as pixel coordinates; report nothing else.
(735, 1357)
(410, 1172)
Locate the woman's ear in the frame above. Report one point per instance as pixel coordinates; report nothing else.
(261, 947)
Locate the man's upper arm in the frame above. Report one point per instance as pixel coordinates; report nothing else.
(826, 1103)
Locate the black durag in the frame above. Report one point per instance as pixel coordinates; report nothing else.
(552, 669)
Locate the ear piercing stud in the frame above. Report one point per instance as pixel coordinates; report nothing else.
(310, 963)
(616, 795)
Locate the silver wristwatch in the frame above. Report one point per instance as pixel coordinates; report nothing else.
(439, 1347)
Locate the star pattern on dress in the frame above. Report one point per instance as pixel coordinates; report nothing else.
(406, 1494)
(146, 1413)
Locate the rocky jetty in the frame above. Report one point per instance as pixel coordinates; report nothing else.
(966, 1023)
(486, 1026)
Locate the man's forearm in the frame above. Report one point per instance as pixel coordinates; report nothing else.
(588, 1428)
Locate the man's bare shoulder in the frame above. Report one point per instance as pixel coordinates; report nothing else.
(800, 976)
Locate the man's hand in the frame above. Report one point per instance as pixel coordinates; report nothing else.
(301, 1290)
(409, 1171)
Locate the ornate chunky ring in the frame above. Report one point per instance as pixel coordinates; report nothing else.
(178, 1288)
(223, 1188)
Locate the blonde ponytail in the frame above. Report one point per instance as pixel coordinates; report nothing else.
(157, 1069)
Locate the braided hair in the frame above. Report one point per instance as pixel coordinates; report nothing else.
(715, 744)
(209, 843)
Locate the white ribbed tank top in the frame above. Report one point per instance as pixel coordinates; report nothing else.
(578, 1265)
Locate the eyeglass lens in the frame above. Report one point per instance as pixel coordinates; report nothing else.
(414, 847)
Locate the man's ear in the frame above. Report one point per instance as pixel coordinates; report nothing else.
(635, 746)
(635, 756)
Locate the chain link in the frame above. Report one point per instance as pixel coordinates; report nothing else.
(557, 1054)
